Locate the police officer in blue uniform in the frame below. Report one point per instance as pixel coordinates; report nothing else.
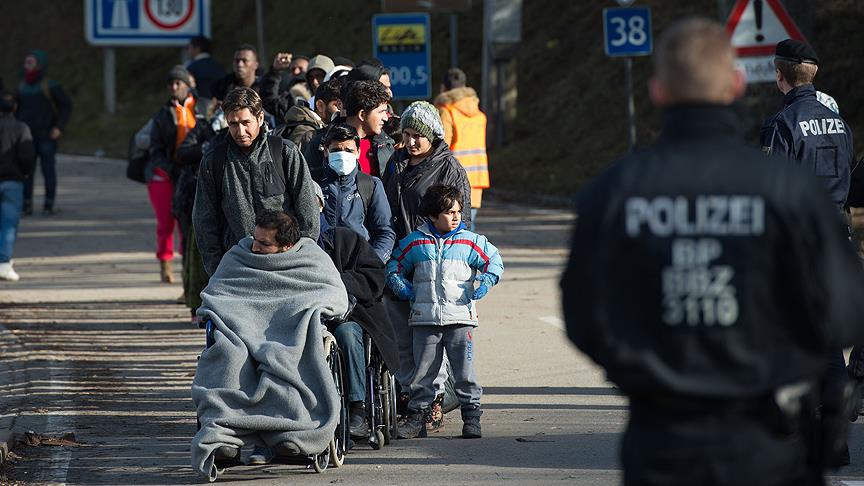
(711, 283)
(814, 136)
(805, 130)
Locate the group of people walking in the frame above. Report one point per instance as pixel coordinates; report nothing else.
(318, 140)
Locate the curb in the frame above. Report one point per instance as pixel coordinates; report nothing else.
(10, 375)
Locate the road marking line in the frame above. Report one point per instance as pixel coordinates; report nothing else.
(553, 321)
(852, 483)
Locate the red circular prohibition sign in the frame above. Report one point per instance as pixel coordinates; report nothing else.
(163, 25)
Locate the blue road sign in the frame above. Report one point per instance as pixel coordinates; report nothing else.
(402, 43)
(627, 31)
(145, 22)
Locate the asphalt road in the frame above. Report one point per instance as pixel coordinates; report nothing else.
(91, 343)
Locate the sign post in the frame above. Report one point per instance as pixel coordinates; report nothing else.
(627, 33)
(111, 23)
(401, 42)
(756, 26)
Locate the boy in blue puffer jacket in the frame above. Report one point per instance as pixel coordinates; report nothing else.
(435, 268)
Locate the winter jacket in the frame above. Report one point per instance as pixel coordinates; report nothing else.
(275, 101)
(17, 155)
(224, 212)
(406, 185)
(163, 140)
(343, 206)
(465, 133)
(382, 150)
(363, 274)
(43, 104)
(206, 71)
(300, 126)
(442, 270)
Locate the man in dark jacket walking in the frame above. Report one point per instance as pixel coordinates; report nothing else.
(17, 161)
(244, 173)
(712, 283)
(45, 108)
(203, 68)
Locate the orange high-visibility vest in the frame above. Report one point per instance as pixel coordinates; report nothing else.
(469, 145)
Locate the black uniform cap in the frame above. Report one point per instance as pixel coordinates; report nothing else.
(796, 51)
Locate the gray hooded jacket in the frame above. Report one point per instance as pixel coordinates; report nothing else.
(250, 184)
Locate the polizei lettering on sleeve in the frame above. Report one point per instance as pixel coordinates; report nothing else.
(822, 126)
(706, 215)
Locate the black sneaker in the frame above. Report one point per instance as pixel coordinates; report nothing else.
(415, 425)
(357, 423)
(471, 428)
(471, 422)
(226, 456)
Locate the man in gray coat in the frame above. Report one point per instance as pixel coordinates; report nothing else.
(244, 173)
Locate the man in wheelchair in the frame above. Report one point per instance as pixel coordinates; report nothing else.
(265, 379)
(363, 274)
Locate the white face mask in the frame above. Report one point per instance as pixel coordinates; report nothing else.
(343, 163)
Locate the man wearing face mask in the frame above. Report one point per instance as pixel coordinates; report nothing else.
(353, 199)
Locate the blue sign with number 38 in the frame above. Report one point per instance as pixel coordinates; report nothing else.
(627, 31)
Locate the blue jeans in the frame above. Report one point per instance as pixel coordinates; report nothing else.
(11, 202)
(45, 150)
(473, 218)
(349, 336)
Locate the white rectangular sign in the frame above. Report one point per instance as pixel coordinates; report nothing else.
(758, 69)
(145, 22)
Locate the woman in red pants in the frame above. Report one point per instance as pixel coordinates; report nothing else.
(170, 127)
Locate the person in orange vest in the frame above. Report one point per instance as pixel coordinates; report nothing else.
(465, 132)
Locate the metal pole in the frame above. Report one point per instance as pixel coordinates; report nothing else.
(631, 106)
(109, 79)
(259, 21)
(454, 40)
(485, 91)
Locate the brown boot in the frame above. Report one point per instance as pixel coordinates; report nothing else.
(166, 272)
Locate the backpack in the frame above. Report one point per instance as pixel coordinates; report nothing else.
(365, 187)
(220, 158)
(139, 153)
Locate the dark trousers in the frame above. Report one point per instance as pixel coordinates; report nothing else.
(712, 450)
(46, 151)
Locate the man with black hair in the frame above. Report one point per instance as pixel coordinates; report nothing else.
(17, 162)
(275, 232)
(366, 108)
(244, 173)
(352, 198)
(202, 66)
(244, 74)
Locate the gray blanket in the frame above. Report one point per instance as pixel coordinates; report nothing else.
(266, 380)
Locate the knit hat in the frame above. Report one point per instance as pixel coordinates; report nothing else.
(180, 73)
(423, 118)
(321, 62)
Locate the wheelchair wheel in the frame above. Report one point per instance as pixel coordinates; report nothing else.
(339, 443)
(391, 429)
(321, 461)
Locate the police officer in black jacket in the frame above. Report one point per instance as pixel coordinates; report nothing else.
(711, 283)
(806, 131)
(815, 137)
